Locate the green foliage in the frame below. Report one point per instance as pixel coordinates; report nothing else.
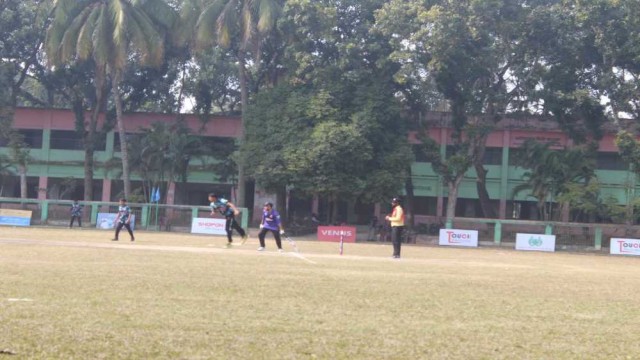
(332, 160)
(320, 149)
(6, 102)
(214, 84)
(337, 71)
(610, 28)
(109, 32)
(337, 129)
(629, 149)
(584, 201)
(553, 175)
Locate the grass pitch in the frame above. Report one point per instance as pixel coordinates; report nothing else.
(73, 294)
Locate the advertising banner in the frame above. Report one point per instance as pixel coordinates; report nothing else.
(621, 246)
(15, 217)
(209, 226)
(535, 242)
(454, 237)
(107, 221)
(334, 233)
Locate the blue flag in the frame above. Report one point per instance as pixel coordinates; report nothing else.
(156, 195)
(152, 195)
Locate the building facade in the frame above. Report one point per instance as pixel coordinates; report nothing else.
(503, 176)
(57, 158)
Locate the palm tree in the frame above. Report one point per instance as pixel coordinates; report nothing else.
(238, 24)
(163, 152)
(110, 33)
(552, 172)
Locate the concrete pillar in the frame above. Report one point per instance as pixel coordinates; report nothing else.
(46, 146)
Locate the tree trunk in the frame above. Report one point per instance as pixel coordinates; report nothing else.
(488, 210)
(22, 170)
(628, 211)
(124, 151)
(452, 198)
(281, 202)
(87, 143)
(244, 99)
(479, 144)
(628, 214)
(88, 167)
(89, 138)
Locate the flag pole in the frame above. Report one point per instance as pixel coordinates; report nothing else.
(157, 199)
(148, 220)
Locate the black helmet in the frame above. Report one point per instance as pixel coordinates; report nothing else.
(395, 201)
(269, 204)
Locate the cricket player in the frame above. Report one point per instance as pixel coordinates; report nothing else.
(123, 219)
(229, 211)
(270, 222)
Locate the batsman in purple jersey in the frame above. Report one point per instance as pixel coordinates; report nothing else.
(270, 222)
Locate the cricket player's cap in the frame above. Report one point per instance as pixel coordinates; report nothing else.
(269, 204)
(213, 195)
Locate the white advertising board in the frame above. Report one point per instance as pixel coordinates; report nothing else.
(453, 237)
(208, 226)
(108, 221)
(535, 242)
(620, 246)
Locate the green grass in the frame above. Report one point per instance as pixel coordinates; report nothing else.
(181, 296)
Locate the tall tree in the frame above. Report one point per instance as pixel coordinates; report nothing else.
(21, 31)
(111, 33)
(489, 59)
(468, 50)
(339, 130)
(242, 26)
(358, 152)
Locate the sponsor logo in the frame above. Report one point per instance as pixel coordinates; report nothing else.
(627, 247)
(535, 241)
(337, 232)
(209, 224)
(456, 238)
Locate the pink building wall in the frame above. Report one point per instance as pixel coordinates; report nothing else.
(60, 119)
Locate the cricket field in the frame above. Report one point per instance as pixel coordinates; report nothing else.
(74, 294)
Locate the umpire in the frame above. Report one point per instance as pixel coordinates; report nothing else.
(396, 218)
